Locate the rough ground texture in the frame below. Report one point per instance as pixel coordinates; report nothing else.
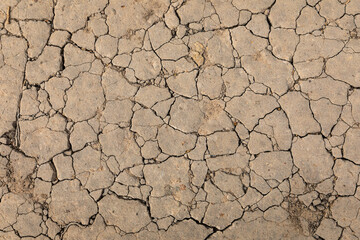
(197, 119)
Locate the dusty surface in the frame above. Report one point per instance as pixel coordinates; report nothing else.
(197, 119)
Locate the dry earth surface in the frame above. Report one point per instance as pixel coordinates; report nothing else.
(175, 119)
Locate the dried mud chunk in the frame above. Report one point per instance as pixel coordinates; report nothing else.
(185, 230)
(246, 43)
(173, 50)
(70, 203)
(312, 47)
(346, 174)
(73, 16)
(39, 10)
(118, 111)
(344, 210)
(45, 66)
(64, 167)
(236, 81)
(145, 64)
(210, 83)
(175, 179)
(308, 21)
(89, 169)
(344, 67)
(233, 164)
(191, 11)
(107, 46)
(85, 97)
(270, 71)
(229, 183)
(159, 34)
(326, 114)
(22, 168)
(168, 206)
(146, 123)
(128, 215)
(183, 83)
(259, 26)
(335, 91)
(37, 34)
(116, 86)
(259, 143)
(351, 149)
(56, 87)
(284, 42)
(121, 144)
(74, 56)
(82, 133)
(276, 126)
(9, 205)
(223, 214)
(84, 39)
(220, 50)
(284, 13)
(204, 117)
(298, 111)
(13, 53)
(250, 107)
(328, 229)
(273, 165)
(85, 233)
(37, 141)
(253, 6)
(59, 38)
(29, 224)
(311, 157)
(10, 95)
(220, 143)
(149, 95)
(331, 9)
(127, 16)
(261, 229)
(175, 142)
(354, 99)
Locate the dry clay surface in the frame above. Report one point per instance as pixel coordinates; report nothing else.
(175, 119)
